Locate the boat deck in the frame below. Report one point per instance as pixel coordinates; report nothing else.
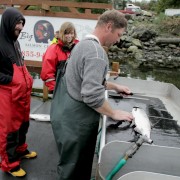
(165, 130)
(161, 103)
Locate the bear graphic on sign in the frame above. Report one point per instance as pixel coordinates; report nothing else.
(43, 31)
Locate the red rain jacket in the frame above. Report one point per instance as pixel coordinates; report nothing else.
(55, 54)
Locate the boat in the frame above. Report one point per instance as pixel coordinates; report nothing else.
(157, 161)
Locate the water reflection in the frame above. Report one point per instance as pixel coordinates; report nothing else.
(162, 75)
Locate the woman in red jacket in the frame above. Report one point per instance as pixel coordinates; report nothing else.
(57, 54)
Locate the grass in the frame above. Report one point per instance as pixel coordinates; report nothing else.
(167, 24)
(162, 24)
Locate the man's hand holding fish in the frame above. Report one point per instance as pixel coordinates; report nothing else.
(122, 115)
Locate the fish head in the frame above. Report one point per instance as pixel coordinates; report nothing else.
(147, 139)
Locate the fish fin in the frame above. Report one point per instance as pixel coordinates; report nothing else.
(115, 126)
(137, 130)
(136, 107)
(132, 124)
(151, 124)
(125, 127)
(131, 140)
(136, 137)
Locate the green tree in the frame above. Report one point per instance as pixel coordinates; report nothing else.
(165, 4)
(95, 11)
(152, 5)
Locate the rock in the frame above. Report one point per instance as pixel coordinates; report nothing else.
(138, 55)
(130, 21)
(128, 39)
(160, 61)
(132, 49)
(137, 43)
(156, 48)
(173, 46)
(168, 40)
(123, 38)
(143, 34)
(127, 45)
(114, 49)
(140, 47)
(146, 43)
(147, 13)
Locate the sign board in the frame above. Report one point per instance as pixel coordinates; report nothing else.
(172, 12)
(38, 32)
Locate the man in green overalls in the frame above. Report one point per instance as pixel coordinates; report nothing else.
(79, 98)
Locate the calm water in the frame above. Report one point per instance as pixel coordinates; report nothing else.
(162, 75)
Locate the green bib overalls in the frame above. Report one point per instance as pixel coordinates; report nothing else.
(75, 127)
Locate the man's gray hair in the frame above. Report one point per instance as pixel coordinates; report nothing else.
(113, 16)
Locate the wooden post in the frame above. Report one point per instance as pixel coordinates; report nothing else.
(45, 92)
(115, 66)
(45, 7)
(115, 69)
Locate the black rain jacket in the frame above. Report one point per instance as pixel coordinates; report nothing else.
(10, 51)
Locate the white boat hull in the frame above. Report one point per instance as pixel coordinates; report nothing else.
(159, 161)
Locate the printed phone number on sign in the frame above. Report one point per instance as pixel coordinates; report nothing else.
(32, 54)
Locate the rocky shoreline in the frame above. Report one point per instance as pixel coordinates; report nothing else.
(144, 47)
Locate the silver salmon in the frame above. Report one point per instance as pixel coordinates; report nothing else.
(142, 123)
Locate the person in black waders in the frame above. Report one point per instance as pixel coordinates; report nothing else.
(15, 93)
(79, 98)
